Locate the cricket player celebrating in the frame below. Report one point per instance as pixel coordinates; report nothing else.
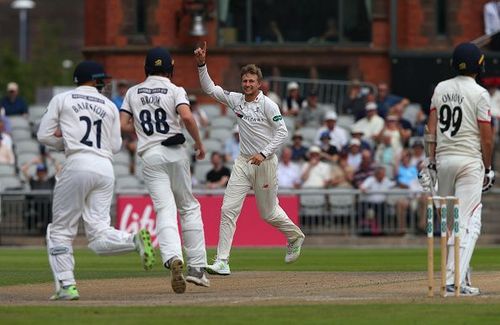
(460, 142)
(86, 125)
(152, 108)
(262, 132)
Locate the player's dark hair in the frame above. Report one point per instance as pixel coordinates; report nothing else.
(252, 69)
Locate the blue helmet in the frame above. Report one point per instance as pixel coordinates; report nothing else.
(158, 60)
(467, 58)
(89, 70)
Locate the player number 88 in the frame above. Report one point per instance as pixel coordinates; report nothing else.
(159, 124)
(450, 118)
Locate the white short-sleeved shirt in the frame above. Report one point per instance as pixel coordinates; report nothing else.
(153, 105)
(89, 123)
(461, 104)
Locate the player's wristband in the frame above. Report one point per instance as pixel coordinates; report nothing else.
(263, 155)
(202, 65)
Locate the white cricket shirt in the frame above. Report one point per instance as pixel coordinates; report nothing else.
(461, 104)
(261, 125)
(153, 105)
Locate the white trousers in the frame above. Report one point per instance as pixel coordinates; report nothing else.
(263, 180)
(167, 176)
(82, 193)
(462, 177)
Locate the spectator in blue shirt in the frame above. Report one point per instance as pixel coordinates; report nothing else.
(12, 103)
(385, 100)
(122, 90)
(407, 175)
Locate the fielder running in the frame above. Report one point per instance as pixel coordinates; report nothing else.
(153, 108)
(460, 142)
(262, 132)
(86, 125)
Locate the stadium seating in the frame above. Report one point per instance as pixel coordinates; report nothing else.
(220, 134)
(7, 170)
(21, 134)
(11, 183)
(27, 145)
(212, 110)
(201, 169)
(222, 122)
(128, 182)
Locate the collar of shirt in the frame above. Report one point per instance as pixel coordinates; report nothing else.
(159, 78)
(88, 89)
(256, 100)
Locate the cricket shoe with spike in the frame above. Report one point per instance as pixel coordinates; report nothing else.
(142, 241)
(66, 293)
(177, 279)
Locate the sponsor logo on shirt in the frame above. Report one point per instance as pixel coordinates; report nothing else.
(89, 98)
(277, 118)
(152, 90)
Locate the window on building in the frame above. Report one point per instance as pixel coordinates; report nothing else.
(140, 18)
(441, 17)
(273, 22)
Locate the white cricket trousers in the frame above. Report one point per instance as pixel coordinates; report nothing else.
(168, 179)
(462, 176)
(83, 189)
(263, 180)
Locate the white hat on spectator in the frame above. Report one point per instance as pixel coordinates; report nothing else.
(292, 85)
(331, 115)
(12, 86)
(357, 130)
(354, 142)
(314, 149)
(371, 106)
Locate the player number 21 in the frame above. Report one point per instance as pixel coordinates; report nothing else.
(449, 117)
(98, 126)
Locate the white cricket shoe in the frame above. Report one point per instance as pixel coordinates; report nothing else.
(197, 275)
(465, 291)
(293, 250)
(220, 267)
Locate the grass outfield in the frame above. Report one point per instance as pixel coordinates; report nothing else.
(22, 266)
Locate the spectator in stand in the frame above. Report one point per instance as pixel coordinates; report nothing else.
(299, 151)
(329, 153)
(6, 151)
(293, 102)
(387, 155)
(405, 127)
(315, 173)
(357, 133)
(342, 174)
(354, 154)
(12, 103)
(392, 129)
(218, 176)
(288, 171)
(41, 180)
(356, 101)
(122, 90)
(265, 86)
(386, 101)
(338, 136)
(491, 14)
(199, 115)
(374, 203)
(417, 151)
(365, 170)
(232, 146)
(407, 174)
(372, 124)
(313, 114)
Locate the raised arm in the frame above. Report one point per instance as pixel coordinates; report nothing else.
(206, 82)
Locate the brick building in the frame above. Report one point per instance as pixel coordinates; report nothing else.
(378, 40)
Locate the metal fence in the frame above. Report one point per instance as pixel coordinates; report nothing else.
(331, 93)
(332, 211)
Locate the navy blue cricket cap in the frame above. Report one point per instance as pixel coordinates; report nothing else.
(158, 60)
(87, 71)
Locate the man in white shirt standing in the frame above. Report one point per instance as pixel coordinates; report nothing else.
(152, 109)
(262, 132)
(338, 136)
(86, 125)
(460, 152)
